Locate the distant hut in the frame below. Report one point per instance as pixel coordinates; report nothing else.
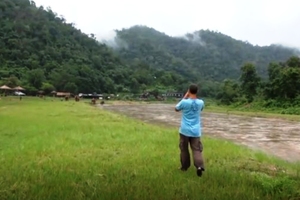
(5, 88)
(18, 88)
(41, 94)
(53, 93)
(63, 94)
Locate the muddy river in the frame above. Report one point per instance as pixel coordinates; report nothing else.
(273, 136)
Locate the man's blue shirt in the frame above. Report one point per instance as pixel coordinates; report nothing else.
(191, 117)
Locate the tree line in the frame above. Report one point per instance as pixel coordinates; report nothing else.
(202, 55)
(41, 51)
(280, 90)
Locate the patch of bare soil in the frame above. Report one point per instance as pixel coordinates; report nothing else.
(127, 103)
(274, 136)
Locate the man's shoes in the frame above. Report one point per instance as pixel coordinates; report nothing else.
(182, 169)
(199, 171)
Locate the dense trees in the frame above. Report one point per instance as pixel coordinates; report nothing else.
(40, 51)
(284, 80)
(208, 58)
(281, 89)
(249, 81)
(229, 93)
(202, 55)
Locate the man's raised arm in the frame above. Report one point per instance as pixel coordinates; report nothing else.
(179, 106)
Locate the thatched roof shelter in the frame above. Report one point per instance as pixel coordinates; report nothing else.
(5, 87)
(19, 88)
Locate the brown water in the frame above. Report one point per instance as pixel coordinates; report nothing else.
(274, 136)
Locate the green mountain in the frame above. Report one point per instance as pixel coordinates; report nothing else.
(200, 55)
(40, 51)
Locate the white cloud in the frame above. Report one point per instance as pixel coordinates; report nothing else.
(261, 22)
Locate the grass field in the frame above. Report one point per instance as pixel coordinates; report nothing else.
(71, 150)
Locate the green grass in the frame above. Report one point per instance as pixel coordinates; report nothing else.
(71, 150)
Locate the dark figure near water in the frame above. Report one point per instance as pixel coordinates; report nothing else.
(76, 98)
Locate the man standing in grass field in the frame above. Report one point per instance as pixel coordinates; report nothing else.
(190, 130)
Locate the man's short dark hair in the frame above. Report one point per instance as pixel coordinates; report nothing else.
(193, 89)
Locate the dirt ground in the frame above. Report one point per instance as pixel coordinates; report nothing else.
(273, 136)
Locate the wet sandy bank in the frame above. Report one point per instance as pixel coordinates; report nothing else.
(274, 136)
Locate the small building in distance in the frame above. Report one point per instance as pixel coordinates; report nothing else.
(173, 94)
(91, 96)
(63, 94)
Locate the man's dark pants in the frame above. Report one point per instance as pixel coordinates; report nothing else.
(197, 148)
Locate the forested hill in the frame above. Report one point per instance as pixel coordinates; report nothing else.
(40, 51)
(204, 53)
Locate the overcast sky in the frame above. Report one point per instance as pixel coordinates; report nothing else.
(260, 22)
